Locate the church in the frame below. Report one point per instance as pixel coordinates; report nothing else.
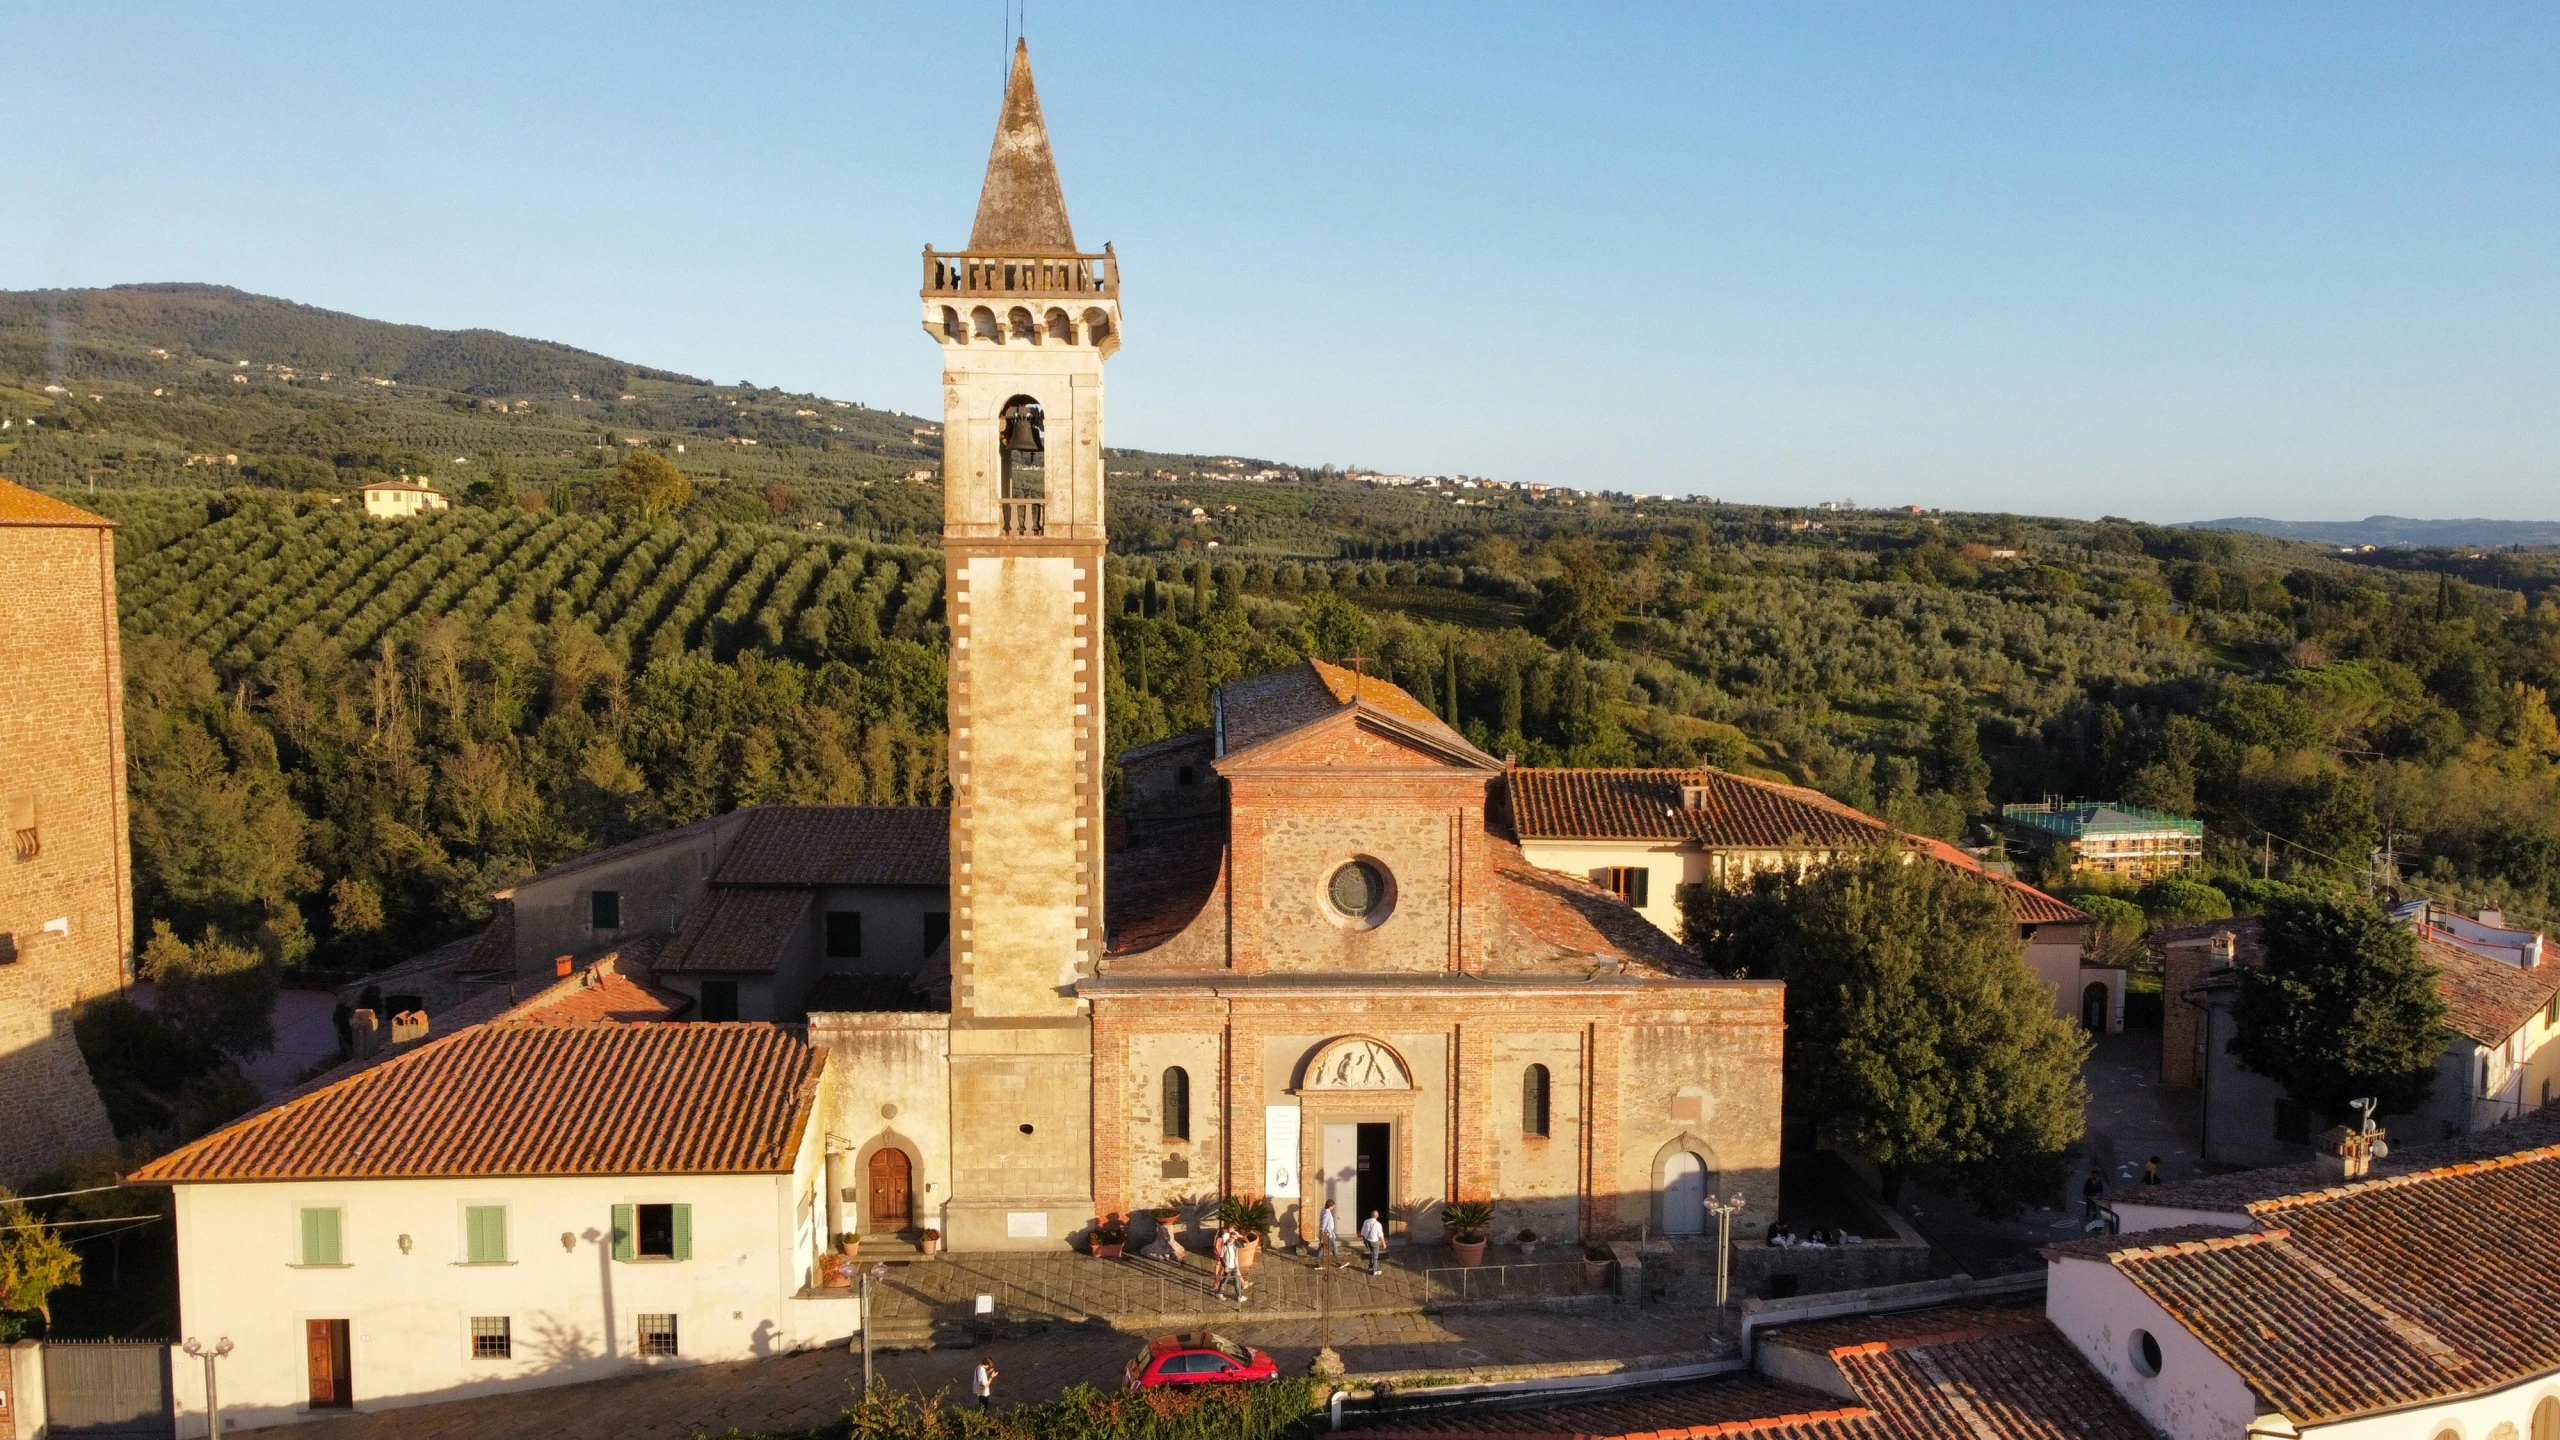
(1317, 967)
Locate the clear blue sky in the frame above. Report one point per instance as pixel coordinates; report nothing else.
(2171, 261)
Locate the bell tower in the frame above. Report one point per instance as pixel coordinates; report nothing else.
(1024, 321)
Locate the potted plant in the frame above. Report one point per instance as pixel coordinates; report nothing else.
(1469, 1226)
(1108, 1240)
(1253, 1219)
(835, 1272)
(1528, 1239)
(1165, 1217)
(849, 1243)
(1596, 1262)
(931, 1241)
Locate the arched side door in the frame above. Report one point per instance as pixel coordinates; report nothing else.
(1684, 1194)
(891, 1206)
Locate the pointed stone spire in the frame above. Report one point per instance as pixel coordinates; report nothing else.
(1022, 211)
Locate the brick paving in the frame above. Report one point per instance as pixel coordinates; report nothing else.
(1376, 1332)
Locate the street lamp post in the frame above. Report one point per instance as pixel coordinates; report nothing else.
(212, 1397)
(879, 1271)
(1724, 1211)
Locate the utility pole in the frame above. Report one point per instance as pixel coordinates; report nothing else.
(212, 1397)
(1724, 1212)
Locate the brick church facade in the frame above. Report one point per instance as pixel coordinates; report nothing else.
(66, 883)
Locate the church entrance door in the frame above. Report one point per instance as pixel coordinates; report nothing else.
(1684, 1194)
(1374, 1144)
(1341, 1172)
(890, 1207)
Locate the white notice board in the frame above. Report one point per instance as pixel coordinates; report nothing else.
(1280, 1152)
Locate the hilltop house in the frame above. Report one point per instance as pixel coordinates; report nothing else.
(399, 499)
(2106, 838)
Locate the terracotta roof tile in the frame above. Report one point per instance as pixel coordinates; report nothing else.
(1906, 1327)
(597, 995)
(1265, 707)
(1556, 917)
(818, 845)
(1734, 812)
(2488, 1000)
(736, 930)
(1158, 885)
(1729, 1405)
(22, 506)
(2008, 1382)
(534, 1099)
(2379, 1294)
(614, 852)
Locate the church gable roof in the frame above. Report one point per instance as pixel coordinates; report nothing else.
(1022, 210)
(22, 506)
(1254, 713)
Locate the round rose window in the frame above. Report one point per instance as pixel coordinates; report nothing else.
(1358, 890)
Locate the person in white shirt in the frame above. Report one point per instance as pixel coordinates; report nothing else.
(1373, 1233)
(982, 1383)
(1230, 1264)
(1329, 1237)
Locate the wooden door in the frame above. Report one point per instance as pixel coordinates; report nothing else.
(890, 1207)
(331, 1386)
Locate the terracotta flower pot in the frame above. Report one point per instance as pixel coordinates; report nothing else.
(1595, 1273)
(1110, 1251)
(835, 1272)
(929, 1244)
(1469, 1252)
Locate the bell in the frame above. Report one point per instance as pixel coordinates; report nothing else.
(1020, 435)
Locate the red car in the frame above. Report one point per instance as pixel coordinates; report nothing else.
(1201, 1358)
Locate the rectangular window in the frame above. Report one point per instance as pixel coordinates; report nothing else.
(937, 928)
(844, 934)
(604, 909)
(322, 1243)
(719, 1000)
(484, 1234)
(1631, 883)
(657, 1334)
(492, 1337)
(652, 1232)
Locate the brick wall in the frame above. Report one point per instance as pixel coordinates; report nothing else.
(2182, 1019)
(66, 897)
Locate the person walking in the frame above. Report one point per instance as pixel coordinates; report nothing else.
(982, 1383)
(2151, 1171)
(1373, 1233)
(2090, 1190)
(1329, 1238)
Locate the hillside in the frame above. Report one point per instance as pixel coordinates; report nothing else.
(345, 733)
(2396, 530)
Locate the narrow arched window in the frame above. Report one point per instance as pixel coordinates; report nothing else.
(1533, 1101)
(1177, 1103)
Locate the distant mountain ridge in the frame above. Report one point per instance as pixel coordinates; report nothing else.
(2393, 530)
(107, 334)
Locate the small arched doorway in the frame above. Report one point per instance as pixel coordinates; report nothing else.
(1684, 1194)
(2093, 1008)
(891, 1195)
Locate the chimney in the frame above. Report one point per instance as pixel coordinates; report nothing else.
(2533, 950)
(560, 966)
(2494, 919)
(2226, 949)
(368, 1032)
(408, 1027)
(2348, 1154)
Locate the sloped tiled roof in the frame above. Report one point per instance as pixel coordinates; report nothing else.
(735, 931)
(1738, 1405)
(2377, 1294)
(22, 506)
(816, 845)
(2488, 1000)
(1738, 812)
(1573, 919)
(521, 1099)
(1265, 707)
(1156, 887)
(600, 994)
(615, 852)
(2006, 1382)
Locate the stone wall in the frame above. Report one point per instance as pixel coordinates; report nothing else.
(66, 890)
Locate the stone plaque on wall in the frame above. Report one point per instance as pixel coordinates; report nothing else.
(1280, 1152)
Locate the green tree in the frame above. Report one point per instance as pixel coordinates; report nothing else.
(1916, 1035)
(648, 487)
(1578, 607)
(219, 994)
(35, 1261)
(2344, 1007)
(1956, 765)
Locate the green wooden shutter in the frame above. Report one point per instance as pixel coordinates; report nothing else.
(320, 1240)
(626, 1234)
(485, 1233)
(684, 1231)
